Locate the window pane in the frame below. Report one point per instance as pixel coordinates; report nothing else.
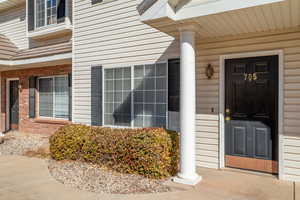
(150, 93)
(150, 70)
(46, 97)
(61, 107)
(138, 84)
(117, 97)
(40, 13)
(149, 84)
(51, 12)
(161, 69)
(138, 71)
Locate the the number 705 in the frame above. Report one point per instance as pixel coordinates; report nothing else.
(250, 77)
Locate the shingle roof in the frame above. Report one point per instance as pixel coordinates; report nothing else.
(7, 48)
(8, 51)
(44, 51)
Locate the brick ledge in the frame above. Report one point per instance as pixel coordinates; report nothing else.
(52, 121)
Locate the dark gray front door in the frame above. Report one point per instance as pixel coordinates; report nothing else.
(251, 113)
(14, 104)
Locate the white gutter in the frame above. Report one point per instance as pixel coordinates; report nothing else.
(194, 8)
(36, 60)
(209, 7)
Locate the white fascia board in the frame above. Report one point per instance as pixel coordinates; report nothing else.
(36, 60)
(160, 9)
(198, 8)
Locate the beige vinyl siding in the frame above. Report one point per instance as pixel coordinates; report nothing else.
(207, 140)
(13, 26)
(210, 50)
(110, 34)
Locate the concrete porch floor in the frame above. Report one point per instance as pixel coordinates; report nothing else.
(23, 178)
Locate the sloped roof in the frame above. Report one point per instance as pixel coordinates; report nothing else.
(44, 51)
(7, 48)
(9, 52)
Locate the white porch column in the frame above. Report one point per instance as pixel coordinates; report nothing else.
(187, 173)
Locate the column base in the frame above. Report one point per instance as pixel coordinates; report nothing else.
(188, 181)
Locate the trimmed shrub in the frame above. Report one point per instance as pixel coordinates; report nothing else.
(151, 152)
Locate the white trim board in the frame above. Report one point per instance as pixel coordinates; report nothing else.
(36, 60)
(280, 102)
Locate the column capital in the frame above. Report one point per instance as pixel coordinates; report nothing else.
(188, 26)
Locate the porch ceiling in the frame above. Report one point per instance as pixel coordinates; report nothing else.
(269, 17)
(7, 4)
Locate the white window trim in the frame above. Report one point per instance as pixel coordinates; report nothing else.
(45, 20)
(132, 88)
(53, 85)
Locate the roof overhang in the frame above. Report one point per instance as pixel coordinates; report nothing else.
(177, 10)
(36, 60)
(60, 59)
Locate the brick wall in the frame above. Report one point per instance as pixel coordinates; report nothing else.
(27, 124)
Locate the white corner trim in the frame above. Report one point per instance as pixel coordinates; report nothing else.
(36, 60)
(280, 103)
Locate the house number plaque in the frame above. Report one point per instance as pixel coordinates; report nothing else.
(250, 77)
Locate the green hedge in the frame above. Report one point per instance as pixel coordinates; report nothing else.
(151, 152)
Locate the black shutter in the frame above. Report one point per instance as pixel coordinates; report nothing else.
(96, 96)
(30, 13)
(70, 96)
(61, 11)
(174, 85)
(32, 88)
(96, 1)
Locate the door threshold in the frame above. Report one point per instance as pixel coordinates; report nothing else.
(247, 171)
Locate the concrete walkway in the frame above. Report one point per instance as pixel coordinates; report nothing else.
(23, 178)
